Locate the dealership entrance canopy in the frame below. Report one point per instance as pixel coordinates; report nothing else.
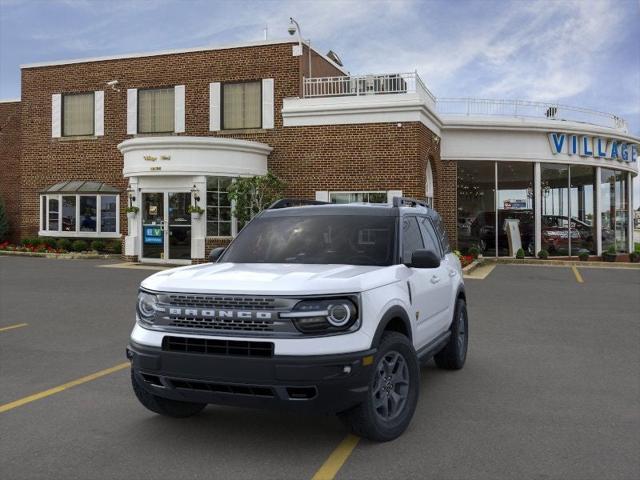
(143, 148)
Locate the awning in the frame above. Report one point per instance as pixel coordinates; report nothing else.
(81, 186)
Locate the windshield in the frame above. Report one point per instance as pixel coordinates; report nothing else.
(342, 239)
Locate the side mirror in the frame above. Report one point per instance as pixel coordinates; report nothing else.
(424, 259)
(215, 254)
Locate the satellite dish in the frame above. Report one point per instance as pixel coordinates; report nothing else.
(333, 56)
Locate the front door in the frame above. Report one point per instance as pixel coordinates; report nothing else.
(166, 227)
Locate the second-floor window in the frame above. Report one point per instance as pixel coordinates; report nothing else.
(77, 114)
(156, 110)
(241, 105)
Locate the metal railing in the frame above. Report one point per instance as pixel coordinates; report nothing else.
(528, 109)
(357, 85)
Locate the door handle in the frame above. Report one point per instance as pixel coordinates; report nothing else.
(435, 279)
(452, 273)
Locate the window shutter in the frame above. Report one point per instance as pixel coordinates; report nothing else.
(267, 103)
(132, 111)
(179, 124)
(98, 111)
(391, 194)
(56, 115)
(214, 106)
(322, 196)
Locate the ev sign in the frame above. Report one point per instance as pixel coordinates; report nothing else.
(597, 147)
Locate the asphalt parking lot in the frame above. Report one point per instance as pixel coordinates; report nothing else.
(551, 389)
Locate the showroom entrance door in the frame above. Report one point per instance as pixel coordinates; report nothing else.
(166, 227)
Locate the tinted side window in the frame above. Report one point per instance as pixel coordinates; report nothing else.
(442, 233)
(430, 238)
(411, 238)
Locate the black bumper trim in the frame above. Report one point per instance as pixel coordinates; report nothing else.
(313, 384)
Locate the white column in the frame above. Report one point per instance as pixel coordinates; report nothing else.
(598, 213)
(132, 241)
(630, 211)
(199, 226)
(537, 208)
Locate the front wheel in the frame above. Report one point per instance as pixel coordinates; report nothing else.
(164, 406)
(392, 395)
(454, 353)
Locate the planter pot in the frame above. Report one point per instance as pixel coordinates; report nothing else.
(634, 257)
(131, 216)
(609, 257)
(195, 216)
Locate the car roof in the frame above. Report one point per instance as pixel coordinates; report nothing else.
(356, 209)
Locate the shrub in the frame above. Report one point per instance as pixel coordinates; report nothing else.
(28, 241)
(543, 254)
(634, 257)
(474, 252)
(47, 242)
(97, 245)
(114, 247)
(520, 253)
(79, 246)
(611, 250)
(4, 222)
(583, 255)
(64, 244)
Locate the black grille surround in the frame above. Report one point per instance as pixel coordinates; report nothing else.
(208, 346)
(222, 301)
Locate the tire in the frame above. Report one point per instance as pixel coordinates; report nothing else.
(368, 419)
(454, 353)
(164, 406)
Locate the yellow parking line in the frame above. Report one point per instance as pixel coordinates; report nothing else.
(334, 463)
(11, 327)
(60, 388)
(577, 274)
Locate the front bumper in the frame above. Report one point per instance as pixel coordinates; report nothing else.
(309, 384)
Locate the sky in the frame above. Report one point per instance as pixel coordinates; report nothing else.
(579, 52)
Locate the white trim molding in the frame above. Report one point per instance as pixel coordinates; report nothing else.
(214, 107)
(132, 111)
(56, 115)
(268, 103)
(98, 112)
(179, 101)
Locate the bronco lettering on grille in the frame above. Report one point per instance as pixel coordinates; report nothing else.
(209, 313)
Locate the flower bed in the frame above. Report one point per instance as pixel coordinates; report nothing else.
(61, 246)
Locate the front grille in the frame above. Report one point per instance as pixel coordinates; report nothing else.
(225, 324)
(222, 302)
(253, 390)
(217, 347)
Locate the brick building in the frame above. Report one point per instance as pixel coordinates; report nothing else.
(165, 130)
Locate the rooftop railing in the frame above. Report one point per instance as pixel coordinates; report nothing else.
(402, 83)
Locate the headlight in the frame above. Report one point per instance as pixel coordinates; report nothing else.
(146, 306)
(330, 315)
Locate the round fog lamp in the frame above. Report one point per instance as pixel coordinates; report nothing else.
(339, 315)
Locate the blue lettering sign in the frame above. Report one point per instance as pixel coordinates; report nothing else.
(634, 153)
(153, 235)
(586, 147)
(601, 150)
(573, 148)
(624, 153)
(614, 150)
(557, 142)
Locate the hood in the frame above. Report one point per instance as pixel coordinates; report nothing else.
(272, 278)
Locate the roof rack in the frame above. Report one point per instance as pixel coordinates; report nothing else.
(408, 202)
(294, 202)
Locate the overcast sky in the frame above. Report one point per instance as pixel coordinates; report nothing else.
(583, 52)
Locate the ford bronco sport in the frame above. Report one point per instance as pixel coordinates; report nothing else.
(315, 308)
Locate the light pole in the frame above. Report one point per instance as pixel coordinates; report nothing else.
(294, 27)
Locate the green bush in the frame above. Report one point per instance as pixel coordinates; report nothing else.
(47, 242)
(474, 252)
(611, 250)
(29, 241)
(79, 246)
(543, 254)
(64, 244)
(4, 222)
(520, 253)
(114, 247)
(98, 245)
(583, 255)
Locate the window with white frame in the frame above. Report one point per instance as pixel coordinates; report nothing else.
(241, 105)
(219, 212)
(78, 115)
(156, 110)
(358, 197)
(79, 215)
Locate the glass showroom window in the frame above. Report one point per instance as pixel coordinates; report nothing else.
(358, 197)
(219, 219)
(477, 206)
(77, 114)
(555, 208)
(241, 105)
(581, 204)
(614, 209)
(515, 204)
(80, 215)
(156, 110)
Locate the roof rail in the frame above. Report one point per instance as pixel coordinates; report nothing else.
(294, 202)
(408, 202)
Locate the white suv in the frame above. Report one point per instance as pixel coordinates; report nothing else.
(315, 308)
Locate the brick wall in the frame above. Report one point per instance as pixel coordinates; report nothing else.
(10, 164)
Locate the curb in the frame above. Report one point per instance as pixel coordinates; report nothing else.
(472, 266)
(565, 263)
(63, 256)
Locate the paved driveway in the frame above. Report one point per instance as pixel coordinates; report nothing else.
(551, 389)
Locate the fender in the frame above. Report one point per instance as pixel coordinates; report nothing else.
(394, 312)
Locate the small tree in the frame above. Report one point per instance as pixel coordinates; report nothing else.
(253, 194)
(4, 222)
